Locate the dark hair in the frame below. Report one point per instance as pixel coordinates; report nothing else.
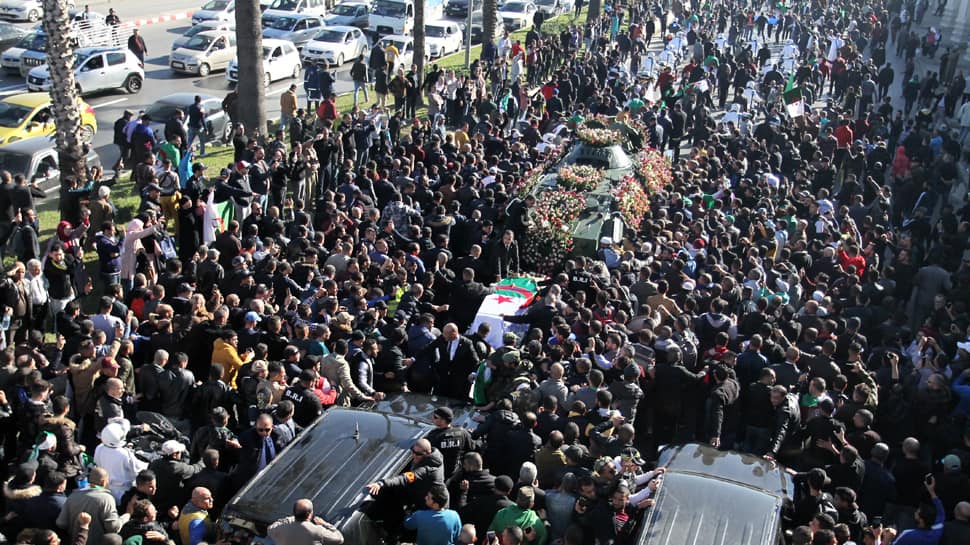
(439, 494)
(145, 476)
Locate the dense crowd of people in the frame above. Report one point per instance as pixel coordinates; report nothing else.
(794, 293)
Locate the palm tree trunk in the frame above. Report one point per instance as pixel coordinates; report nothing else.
(64, 97)
(595, 6)
(249, 51)
(489, 20)
(419, 49)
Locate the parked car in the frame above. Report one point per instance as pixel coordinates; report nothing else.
(715, 496)
(216, 120)
(206, 51)
(36, 158)
(29, 114)
(331, 462)
(215, 10)
(12, 56)
(280, 60)
(442, 38)
(296, 29)
(220, 26)
(25, 10)
(555, 8)
(336, 45)
(282, 8)
(516, 14)
(96, 69)
(11, 34)
(349, 14)
(458, 9)
(90, 32)
(405, 48)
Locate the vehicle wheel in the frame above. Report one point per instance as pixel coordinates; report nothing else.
(204, 70)
(33, 16)
(87, 134)
(267, 79)
(133, 84)
(296, 71)
(340, 59)
(227, 133)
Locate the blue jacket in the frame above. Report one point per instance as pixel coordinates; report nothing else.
(930, 536)
(435, 527)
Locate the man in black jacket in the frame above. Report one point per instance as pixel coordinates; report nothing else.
(392, 495)
(455, 359)
(722, 410)
(481, 511)
(787, 425)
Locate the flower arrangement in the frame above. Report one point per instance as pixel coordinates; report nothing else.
(653, 169)
(600, 137)
(550, 240)
(632, 201)
(580, 178)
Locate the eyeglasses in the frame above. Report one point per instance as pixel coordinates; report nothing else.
(264, 430)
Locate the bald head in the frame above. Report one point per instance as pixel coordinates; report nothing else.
(303, 510)
(450, 331)
(98, 476)
(962, 511)
(422, 445)
(202, 497)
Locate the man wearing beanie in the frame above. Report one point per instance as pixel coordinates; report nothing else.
(452, 441)
(522, 515)
(481, 511)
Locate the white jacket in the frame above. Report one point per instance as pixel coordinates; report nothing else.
(122, 467)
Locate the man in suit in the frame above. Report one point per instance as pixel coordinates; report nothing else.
(259, 445)
(787, 373)
(471, 293)
(455, 359)
(505, 256)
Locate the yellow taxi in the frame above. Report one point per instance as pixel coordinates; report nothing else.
(29, 114)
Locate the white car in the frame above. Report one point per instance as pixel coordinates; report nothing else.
(215, 10)
(554, 8)
(284, 8)
(442, 38)
(280, 60)
(405, 50)
(516, 14)
(221, 26)
(25, 10)
(96, 69)
(11, 58)
(336, 45)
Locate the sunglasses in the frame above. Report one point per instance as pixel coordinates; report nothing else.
(418, 452)
(264, 430)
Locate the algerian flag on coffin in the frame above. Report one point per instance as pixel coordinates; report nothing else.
(511, 296)
(794, 104)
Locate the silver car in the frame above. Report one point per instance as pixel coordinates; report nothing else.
(221, 26)
(215, 10)
(297, 29)
(349, 14)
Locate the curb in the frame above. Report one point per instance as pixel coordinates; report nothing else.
(167, 18)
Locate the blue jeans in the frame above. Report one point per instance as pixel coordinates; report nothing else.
(358, 85)
(196, 133)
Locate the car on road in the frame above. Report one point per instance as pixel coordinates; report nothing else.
(10, 34)
(336, 45)
(12, 56)
(220, 26)
(96, 69)
(714, 496)
(458, 9)
(36, 158)
(216, 121)
(215, 10)
(442, 38)
(296, 29)
(283, 8)
(332, 460)
(349, 14)
(29, 114)
(206, 51)
(25, 10)
(405, 48)
(516, 14)
(90, 32)
(280, 60)
(555, 8)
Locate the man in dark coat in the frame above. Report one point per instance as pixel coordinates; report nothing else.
(408, 489)
(455, 358)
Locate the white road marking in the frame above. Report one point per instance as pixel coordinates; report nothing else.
(18, 87)
(109, 103)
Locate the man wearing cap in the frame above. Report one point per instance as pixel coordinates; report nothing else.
(452, 441)
(172, 472)
(522, 515)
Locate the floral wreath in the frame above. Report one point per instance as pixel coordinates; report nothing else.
(580, 178)
(598, 136)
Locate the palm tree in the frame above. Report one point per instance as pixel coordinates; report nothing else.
(64, 97)
(419, 46)
(593, 12)
(249, 51)
(489, 20)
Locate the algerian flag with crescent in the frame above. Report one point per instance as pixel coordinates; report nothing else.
(511, 297)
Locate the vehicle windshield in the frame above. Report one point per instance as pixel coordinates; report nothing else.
(434, 31)
(516, 7)
(199, 43)
(13, 115)
(390, 9)
(196, 29)
(545, 2)
(14, 162)
(343, 9)
(284, 5)
(162, 111)
(79, 59)
(284, 23)
(35, 42)
(216, 5)
(332, 36)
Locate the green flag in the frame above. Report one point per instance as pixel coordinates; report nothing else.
(791, 81)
